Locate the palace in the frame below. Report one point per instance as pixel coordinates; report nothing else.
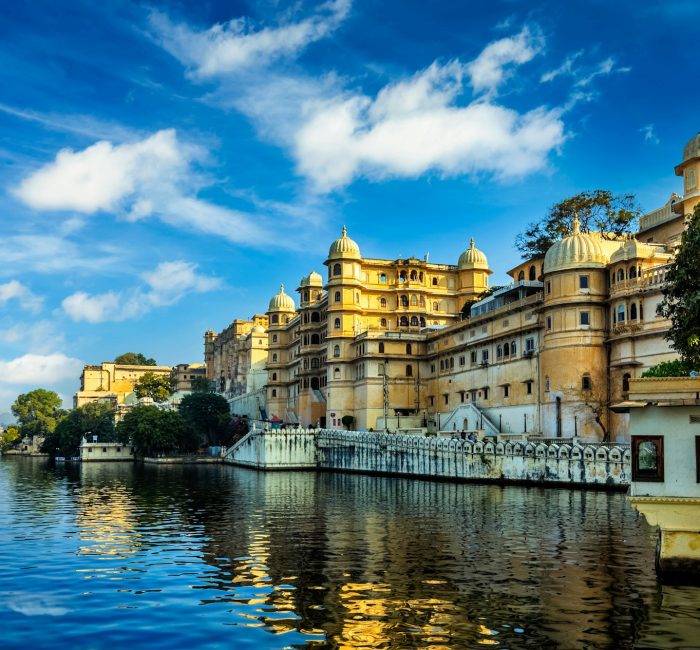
(412, 345)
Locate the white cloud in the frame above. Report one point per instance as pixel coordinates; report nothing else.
(604, 68)
(41, 369)
(167, 284)
(39, 337)
(237, 45)
(414, 126)
(489, 69)
(650, 134)
(15, 290)
(566, 68)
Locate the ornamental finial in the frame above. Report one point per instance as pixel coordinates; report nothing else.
(577, 224)
(281, 288)
(345, 231)
(471, 243)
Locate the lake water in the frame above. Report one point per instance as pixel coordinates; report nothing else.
(126, 556)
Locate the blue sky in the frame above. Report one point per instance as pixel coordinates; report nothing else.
(166, 165)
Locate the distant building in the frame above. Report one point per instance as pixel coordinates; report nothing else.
(412, 344)
(184, 373)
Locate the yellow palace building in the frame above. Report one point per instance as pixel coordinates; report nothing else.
(413, 345)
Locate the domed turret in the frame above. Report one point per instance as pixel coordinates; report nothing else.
(473, 258)
(632, 250)
(311, 280)
(344, 247)
(281, 302)
(692, 149)
(258, 329)
(578, 250)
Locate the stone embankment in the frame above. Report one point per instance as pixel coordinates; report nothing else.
(543, 462)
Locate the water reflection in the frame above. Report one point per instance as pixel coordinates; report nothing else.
(213, 556)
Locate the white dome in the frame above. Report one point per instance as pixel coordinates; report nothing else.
(311, 280)
(473, 258)
(578, 250)
(692, 149)
(281, 302)
(632, 250)
(344, 247)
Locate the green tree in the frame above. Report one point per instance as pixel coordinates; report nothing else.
(681, 291)
(152, 431)
(675, 368)
(94, 418)
(134, 359)
(9, 438)
(347, 421)
(599, 210)
(201, 385)
(37, 412)
(157, 387)
(207, 417)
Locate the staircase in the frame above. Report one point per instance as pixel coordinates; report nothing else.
(475, 417)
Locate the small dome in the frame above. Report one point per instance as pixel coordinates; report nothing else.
(578, 250)
(632, 250)
(258, 329)
(473, 258)
(281, 302)
(692, 149)
(311, 280)
(344, 247)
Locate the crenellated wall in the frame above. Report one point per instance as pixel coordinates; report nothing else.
(430, 457)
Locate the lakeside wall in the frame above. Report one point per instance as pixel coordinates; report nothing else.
(543, 462)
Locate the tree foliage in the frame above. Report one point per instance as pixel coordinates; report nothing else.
(347, 421)
(675, 368)
(134, 359)
(152, 431)
(94, 418)
(599, 210)
(201, 385)
(37, 412)
(9, 438)
(157, 387)
(681, 291)
(207, 417)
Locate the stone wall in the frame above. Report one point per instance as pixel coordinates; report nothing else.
(431, 457)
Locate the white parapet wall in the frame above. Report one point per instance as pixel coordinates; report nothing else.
(592, 465)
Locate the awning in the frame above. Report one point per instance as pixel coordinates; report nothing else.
(624, 407)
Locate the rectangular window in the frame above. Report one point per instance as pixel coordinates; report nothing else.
(528, 384)
(585, 318)
(549, 322)
(506, 390)
(484, 356)
(473, 395)
(648, 459)
(583, 282)
(486, 393)
(549, 286)
(461, 396)
(461, 361)
(529, 345)
(472, 356)
(432, 400)
(446, 397)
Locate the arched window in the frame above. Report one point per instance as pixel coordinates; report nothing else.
(409, 349)
(403, 322)
(274, 392)
(633, 311)
(381, 348)
(275, 319)
(306, 295)
(382, 278)
(274, 338)
(499, 352)
(382, 322)
(336, 351)
(436, 306)
(633, 271)
(336, 296)
(315, 317)
(422, 301)
(336, 373)
(414, 300)
(404, 301)
(506, 350)
(414, 321)
(422, 321)
(586, 383)
(382, 303)
(435, 282)
(620, 275)
(274, 358)
(314, 383)
(315, 363)
(336, 323)
(532, 274)
(521, 276)
(621, 314)
(414, 275)
(274, 376)
(315, 340)
(513, 348)
(409, 370)
(402, 276)
(336, 269)
(626, 382)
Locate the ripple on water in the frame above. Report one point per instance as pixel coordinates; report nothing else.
(127, 556)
